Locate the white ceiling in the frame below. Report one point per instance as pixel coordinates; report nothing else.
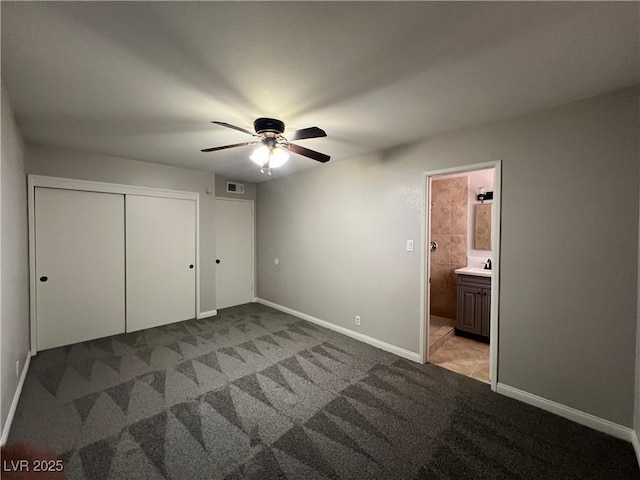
(143, 80)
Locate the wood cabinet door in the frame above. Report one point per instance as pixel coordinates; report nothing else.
(486, 312)
(469, 309)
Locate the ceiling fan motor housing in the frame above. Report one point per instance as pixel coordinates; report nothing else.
(268, 125)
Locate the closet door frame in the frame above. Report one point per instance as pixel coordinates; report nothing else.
(34, 181)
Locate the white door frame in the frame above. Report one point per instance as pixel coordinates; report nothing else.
(425, 306)
(253, 242)
(34, 181)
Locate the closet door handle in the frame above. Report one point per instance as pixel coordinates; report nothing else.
(44, 279)
(217, 260)
(191, 266)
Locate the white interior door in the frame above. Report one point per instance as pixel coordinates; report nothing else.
(80, 261)
(161, 261)
(234, 253)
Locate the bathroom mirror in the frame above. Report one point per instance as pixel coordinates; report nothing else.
(482, 230)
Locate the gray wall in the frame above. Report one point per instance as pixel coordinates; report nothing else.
(89, 166)
(569, 246)
(14, 324)
(221, 189)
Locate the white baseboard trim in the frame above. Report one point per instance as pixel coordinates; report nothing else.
(401, 352)
(14, 403)
(210, 313)
(636, 445)
(578, 416)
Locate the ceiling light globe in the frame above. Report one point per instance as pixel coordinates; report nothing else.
(279, 157)
(260, 155)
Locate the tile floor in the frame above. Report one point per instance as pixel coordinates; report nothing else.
(440, 330)
(465, 356)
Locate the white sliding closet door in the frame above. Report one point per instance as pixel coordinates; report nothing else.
(80, 261)
(161, 261)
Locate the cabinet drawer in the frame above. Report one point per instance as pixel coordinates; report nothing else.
(474, 281)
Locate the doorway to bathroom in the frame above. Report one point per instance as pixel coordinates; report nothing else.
(460, 270)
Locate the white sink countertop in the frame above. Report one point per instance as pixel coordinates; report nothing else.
(478, 272)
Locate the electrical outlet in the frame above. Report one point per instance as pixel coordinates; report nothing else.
(17, 368)
(357, 319)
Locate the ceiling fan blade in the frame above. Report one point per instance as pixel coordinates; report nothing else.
(310, 132)
(320, 157)
(240, 129)
(213, 149)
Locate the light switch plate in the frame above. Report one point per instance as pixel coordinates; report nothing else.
(410, 245)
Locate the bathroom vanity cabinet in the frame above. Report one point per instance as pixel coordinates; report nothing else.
(474, 306)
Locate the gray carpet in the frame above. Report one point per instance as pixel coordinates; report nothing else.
(258, 394)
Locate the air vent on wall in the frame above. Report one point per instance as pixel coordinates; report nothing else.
(233, 187)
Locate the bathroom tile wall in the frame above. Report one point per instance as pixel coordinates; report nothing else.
(449, 214)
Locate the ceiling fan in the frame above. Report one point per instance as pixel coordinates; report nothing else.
(274, 146)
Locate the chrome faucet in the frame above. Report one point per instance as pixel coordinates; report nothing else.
(487, 264)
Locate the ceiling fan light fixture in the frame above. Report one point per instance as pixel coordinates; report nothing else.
(273, 157)
(260, 155)
(279, 157)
